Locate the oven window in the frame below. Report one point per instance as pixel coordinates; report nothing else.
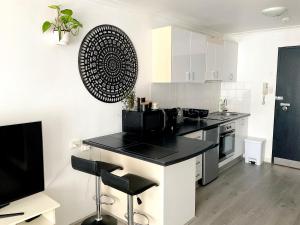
(226, 146)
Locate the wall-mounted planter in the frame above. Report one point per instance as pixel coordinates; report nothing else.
(65, 38)
(64, 22)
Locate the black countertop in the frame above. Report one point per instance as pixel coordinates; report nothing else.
(191, 125)
(164, 149)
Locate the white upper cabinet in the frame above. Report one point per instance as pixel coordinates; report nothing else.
(181, 42)
(214, 63)
(179, 56)
(198, 57)
(230, 61)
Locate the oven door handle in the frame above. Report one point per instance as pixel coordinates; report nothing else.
(227, 133)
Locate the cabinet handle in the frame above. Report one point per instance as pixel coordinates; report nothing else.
(231, 76)
(187, 76)
(197, 163)
(193, 75)
(214, 74)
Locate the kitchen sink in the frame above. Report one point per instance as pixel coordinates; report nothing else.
(228, 113)
(222, 115)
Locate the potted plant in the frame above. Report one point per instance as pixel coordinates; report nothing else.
(128, 102)
(63, 25)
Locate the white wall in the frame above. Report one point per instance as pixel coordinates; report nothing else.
(257, 63)
(238, 96)
(203, 96)
(39, 81)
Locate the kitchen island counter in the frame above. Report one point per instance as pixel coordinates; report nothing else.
(168, 159)
(163, 149)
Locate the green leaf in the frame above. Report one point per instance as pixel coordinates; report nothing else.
(77, 22)
(54, 7)
(46, 26)
(68, 12)
(66, 19)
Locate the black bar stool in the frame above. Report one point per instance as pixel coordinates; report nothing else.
(94, 168)
(131, 185)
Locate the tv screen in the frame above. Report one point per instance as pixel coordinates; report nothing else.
(21, 161)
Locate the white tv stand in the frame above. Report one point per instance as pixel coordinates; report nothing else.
(32, 206)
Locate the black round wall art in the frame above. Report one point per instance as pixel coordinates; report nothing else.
(108, 63)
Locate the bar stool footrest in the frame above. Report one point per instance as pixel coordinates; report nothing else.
(107, 200)
(139, 214)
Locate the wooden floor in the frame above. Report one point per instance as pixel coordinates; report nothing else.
(250, 195)
(245, 194)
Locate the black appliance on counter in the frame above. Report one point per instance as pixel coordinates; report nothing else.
(170, 118)
(195, 113)
(143, 122)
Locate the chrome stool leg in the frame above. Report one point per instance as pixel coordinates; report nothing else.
(130, 210)
(98, 198)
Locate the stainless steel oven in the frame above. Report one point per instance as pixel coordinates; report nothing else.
(227, 140)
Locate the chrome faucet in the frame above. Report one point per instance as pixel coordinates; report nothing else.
(224, 105)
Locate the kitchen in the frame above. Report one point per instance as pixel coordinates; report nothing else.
(209, 77)
(165, 135)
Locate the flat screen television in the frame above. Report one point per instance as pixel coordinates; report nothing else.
(21, 161)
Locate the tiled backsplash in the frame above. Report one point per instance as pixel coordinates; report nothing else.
(205, 96)
(238, 96)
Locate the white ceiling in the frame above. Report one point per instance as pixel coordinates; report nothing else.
(225, 16)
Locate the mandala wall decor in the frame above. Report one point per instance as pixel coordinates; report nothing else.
(108, 63)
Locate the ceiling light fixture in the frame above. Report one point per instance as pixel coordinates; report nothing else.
(274, 11)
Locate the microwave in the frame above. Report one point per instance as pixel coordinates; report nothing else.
(143, 122)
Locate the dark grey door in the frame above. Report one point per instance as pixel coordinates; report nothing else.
(286, 135)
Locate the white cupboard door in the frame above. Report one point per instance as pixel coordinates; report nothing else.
(219, 52)
(199, 171)
(198, 57)
(230, 61)
(241, 132)
(181, 41)
(214, 60)
(210, 61)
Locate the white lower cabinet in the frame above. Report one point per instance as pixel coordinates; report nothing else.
(241, 132)
(198, 167)
(199, 162)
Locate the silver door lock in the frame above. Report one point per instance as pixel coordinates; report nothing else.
(285, 106)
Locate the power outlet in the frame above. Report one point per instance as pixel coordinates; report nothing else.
(85, 147)
(76, 144)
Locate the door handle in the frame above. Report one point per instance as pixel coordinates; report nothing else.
(279, 98)
(285, 104)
